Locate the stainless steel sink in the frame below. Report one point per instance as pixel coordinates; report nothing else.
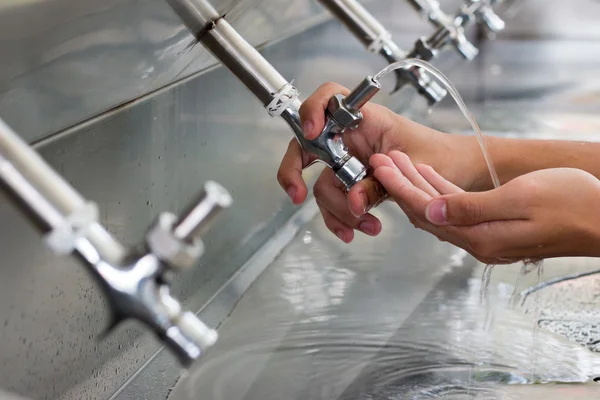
(398, 317)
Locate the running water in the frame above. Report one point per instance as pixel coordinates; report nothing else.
(413, 62)
(484, 295)
(487, 273)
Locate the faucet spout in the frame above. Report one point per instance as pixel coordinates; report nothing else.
(373, 35)
(136, 285)
(276, 94)
(451, 28)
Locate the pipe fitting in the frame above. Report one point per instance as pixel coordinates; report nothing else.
(343, 115)
(168, 248)
(375, 37)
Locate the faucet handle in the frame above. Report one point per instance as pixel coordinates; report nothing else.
(345, 112)
(199, 219)
(486, 15)
(465, 47)
(177, 241)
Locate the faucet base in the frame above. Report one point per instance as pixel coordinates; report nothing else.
(351, 172)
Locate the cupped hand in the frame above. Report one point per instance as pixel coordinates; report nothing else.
(380, 132)
(543, 214)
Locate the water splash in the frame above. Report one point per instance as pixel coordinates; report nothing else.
(484, 299)
(413, 62)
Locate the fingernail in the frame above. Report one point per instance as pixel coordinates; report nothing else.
(340, 234)
(363, 204)
(437, 212)
(368, 228)
(307, 127)
(291, 192)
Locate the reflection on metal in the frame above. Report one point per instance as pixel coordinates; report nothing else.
(153, 153)
(75, 59)
(159, 375)
(10, 396)
(378, 40)
(393, 319)
(137, 286)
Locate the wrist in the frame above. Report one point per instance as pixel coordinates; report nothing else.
(467, 164)
(592, 231)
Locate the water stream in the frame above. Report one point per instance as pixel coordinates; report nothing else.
(403, 317)
(396, 319)
(413, 62)
(487, 272)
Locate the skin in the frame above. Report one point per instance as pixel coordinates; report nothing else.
(542, 214)
(458, 161)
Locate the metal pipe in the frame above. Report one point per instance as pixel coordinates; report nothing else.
(135, 286)
(266, 83)
(359, 21)
(47, 193)
(229, 47)
(377, 39)
(199, 219)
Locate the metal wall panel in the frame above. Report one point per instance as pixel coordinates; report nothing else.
(62, 65)
(149, 156)
(68, 60)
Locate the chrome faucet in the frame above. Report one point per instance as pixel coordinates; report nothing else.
(136, 283)
(487, 17)
(279, 96)
(451, 29)
(377, 39)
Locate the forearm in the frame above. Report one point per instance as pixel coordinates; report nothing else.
(515, 157)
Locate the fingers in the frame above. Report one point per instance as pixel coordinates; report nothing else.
(332, 198)
(464, 209)
(365, 195)
(337, 227)
(402, 190)
(289, 174)
(312, 111)
(436, 180)
(408, 169)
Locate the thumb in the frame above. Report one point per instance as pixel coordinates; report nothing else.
(463, 209)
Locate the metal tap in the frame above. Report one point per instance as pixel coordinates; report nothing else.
(343, 112)
(277, 95)
(451, 29)
(136, 283)
(487, 17)
(377, 39)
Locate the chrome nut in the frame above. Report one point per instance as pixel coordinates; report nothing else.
(342, 115)
(174, 252)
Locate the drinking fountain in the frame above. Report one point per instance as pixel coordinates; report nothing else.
(373, 35)
(451, 28)
(136, 282)
(277, 95)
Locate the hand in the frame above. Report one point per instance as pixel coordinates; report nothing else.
(380, 132)
(543, 214)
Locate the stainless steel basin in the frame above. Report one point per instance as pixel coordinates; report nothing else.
(398, 317)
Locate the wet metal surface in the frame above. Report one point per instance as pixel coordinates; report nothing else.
(398, 317)
(74, 59)
(153, 154)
